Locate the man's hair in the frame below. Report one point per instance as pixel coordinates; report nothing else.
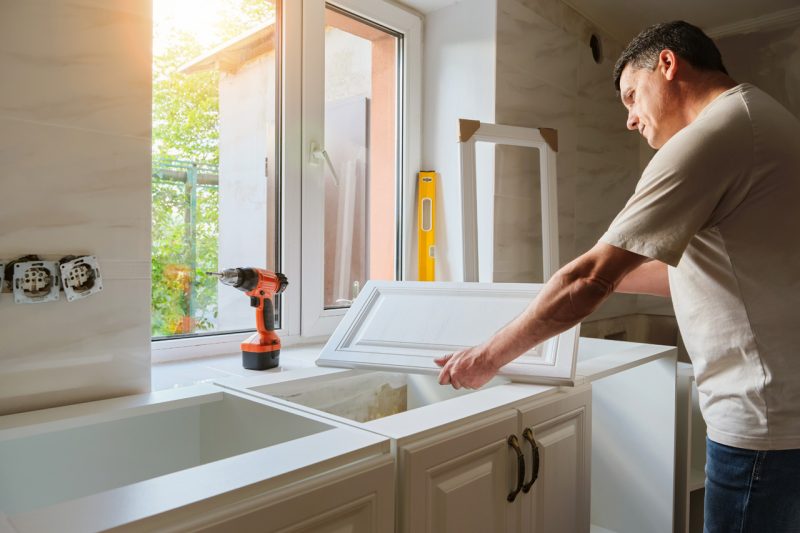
(687, 41)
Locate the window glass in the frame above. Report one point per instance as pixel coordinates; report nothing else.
(361, 109)
(215, 169)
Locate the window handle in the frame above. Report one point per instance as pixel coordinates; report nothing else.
(316, 156)
(319, 156)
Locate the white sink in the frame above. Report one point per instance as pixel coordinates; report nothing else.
(146, 447)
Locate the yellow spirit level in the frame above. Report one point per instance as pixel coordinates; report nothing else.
(426, 218)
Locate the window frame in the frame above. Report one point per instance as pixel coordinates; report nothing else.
(299, 325)
(315, 319)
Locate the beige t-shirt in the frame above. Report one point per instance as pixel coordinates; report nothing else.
(720, 203)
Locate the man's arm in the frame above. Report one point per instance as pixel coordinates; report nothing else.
(648, 278)
(572, 293)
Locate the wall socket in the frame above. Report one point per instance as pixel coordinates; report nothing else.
(80, 277)
(36, 282)
(33, 280)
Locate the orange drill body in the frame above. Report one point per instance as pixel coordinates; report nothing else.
(262, 349)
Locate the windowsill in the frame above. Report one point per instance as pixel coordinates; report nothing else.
(187, 372)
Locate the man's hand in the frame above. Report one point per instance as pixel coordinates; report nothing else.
(470, 368)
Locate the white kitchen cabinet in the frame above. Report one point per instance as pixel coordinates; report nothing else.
(560, 434)
(455, 466)
(201, 457)
(520, 470)
(691, 455)
(459, 481)
(452, 447)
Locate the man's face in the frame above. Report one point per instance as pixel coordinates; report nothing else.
(645, 94)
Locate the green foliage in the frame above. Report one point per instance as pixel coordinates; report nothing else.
(185, 106)
(186, 127)
(184, 299)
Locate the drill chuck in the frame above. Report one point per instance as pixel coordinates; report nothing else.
(244, 279)
(229, 276)
(283, 282)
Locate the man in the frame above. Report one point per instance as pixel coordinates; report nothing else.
(715, 223)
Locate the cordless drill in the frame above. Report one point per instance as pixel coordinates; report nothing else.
(262, 349)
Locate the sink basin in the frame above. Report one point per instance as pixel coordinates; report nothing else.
(398, 405)
(141, 446)
(363, 396)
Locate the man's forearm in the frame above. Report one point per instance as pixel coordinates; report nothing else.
(571, 295)
(566, 299)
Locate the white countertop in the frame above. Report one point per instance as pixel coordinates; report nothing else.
(597, 358)
(592, 360)
(187, 372)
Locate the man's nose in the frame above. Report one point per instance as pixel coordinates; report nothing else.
(633, 121)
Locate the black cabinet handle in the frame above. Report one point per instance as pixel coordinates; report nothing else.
(514, 443)
(528, 436)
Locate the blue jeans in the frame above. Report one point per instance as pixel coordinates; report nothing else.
(749, 491)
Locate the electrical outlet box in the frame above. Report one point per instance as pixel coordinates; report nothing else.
(81, 277)
(36, 282)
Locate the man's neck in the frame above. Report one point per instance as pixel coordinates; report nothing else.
(704, 90)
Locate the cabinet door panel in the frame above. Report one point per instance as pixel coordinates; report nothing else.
(559, 499)
(458, 481)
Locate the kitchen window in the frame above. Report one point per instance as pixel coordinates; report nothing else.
(280, 140)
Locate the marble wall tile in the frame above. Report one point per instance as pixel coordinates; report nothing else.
(538, 88)
(61, 353)
(517, 238)
(546, 77)
(64, 190)
(531, 45)
(517, 170)
(75, 178)
(770, 60)
(607, 156)
(84, 63)
(526, 100)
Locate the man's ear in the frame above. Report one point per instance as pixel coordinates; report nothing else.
(668, 63)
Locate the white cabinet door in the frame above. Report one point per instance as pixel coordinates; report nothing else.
(559, 499)
(355, 499)
(404, 325)
(458, 481)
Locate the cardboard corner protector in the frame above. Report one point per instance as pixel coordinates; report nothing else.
(467, 128)
(551, 137)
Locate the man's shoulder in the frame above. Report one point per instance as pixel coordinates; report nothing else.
(721, 140)
(727, 129)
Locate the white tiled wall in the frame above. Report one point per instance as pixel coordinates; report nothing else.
(769, 59)
(546, 77)
(75, 179)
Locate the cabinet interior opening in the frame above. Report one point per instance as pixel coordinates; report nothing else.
(362, 396)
